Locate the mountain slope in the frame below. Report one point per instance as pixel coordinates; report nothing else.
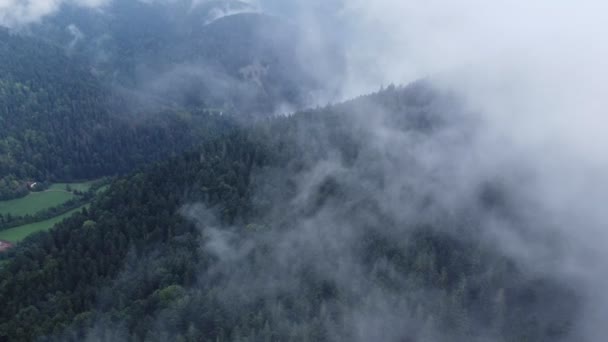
(251, 63)
(88, 93)
(57, 123)
(312, 227)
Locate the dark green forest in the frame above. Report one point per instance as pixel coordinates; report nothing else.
(140, 88)
(277, 230)
(60, 123)
(167, 54)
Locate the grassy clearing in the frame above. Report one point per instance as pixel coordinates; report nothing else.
(35, 202)
(17, 234)
(82, 187)
(56, 195)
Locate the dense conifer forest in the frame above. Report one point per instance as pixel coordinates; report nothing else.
(60, 123)
(187, 249)
(247, 170)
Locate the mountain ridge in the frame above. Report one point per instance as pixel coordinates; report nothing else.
(188, 248)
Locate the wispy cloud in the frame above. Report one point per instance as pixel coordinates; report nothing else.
(14, 13)
(536, 73)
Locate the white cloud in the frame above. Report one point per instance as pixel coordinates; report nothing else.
(14, 13)
(535, 71)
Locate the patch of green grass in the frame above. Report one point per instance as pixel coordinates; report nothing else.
(17, 234)
(82, 187)
(35, 202)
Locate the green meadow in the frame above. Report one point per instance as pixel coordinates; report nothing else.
(17, 234)
(35, 202)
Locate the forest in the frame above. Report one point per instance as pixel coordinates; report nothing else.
(173, 55)
(57, 123)
(69, 116)
(303, 170)
(281, 231)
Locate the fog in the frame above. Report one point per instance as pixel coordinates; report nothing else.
(15, 13)
(19, 13)
(534, 72)
(534, 75)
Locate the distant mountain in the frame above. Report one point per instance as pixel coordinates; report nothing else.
(218, 54)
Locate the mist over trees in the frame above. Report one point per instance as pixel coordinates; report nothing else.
(88, 94)
(253, 203)
(284, 232)
(182, 54)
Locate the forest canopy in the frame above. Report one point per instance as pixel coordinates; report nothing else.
(216, 244)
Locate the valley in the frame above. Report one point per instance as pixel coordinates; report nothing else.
(17, 234)
(40, 210)
(331, 171)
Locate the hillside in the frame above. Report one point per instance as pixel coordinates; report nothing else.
(88, 93)
(135, 82)
(174, 54)
(310, 227)
(61, 123)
